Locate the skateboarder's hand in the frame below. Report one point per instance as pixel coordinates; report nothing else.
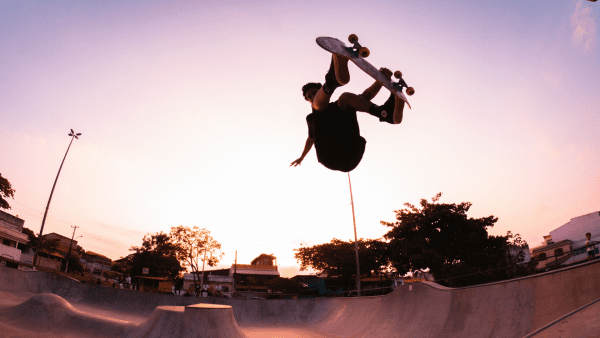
(296, 162)
(387, 73)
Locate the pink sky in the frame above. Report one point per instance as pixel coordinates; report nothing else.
(191, 113)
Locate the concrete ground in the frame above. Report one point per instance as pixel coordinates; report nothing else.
(37, 304)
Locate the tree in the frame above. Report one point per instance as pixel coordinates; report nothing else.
(74, 264)
(338, 258)
(6, 191)
(441, 237)
(123, 265)
(32, 244)
(39, 245)
(158, 254)
(192, 245)
(515, 258)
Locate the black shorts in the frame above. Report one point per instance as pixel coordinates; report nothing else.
(337, 138)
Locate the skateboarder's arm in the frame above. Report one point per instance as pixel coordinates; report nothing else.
(307, 146)
(372, 91)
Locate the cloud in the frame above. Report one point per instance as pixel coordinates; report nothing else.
(584, 27)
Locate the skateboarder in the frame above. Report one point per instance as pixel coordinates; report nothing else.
(333, 127)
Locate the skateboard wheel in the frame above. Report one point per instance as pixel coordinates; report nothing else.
(364, 52)
(353, 38)
(410, 90)
(397, 74)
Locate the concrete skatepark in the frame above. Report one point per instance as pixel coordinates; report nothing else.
(560, 303)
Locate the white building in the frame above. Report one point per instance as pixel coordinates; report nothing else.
(573, 234)
(12, 237)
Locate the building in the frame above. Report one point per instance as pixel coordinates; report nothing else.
(57, 258)
(64, 243)
(239, 277)
(552, 254)
(212, 278)
(95, 263)
(12, 238)
(565, 245)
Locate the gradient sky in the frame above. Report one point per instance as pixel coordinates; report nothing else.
(191, 112)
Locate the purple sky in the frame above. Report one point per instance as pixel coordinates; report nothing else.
(191, 113)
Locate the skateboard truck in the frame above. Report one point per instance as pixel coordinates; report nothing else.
(357, 50)
(401, 84)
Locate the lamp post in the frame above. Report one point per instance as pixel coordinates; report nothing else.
(355, 239)
(73, 136)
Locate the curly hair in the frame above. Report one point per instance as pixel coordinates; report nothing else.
(310, 85)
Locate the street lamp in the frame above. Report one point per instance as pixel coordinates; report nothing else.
(73, 136)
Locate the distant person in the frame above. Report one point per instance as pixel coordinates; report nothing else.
(127, 283)
(218, 289)
(591, 249)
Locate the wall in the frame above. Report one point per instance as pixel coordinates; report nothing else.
(48, 263)
(11, 222)
(10, 252)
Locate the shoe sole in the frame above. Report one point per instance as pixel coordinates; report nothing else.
(398, 110)
(342, 75)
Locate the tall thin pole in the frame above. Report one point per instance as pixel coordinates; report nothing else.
(73, 136)
(355, 238)
(202, 281)
(234, 270)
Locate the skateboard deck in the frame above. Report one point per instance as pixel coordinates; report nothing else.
(336, 46)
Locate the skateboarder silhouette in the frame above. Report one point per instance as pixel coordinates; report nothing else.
(333, 127)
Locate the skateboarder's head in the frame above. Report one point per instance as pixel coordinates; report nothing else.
(310, 89)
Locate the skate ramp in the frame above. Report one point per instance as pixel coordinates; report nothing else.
(583, 323)
(49, 313)
(506, 309)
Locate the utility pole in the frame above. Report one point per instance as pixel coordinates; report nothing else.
(70, 247)
(355, 239)
(73, 136)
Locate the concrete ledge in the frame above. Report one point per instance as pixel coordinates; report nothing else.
(210, 320)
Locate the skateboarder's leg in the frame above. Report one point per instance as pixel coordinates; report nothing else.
(350, 101)
(391, 111)
(338, 74)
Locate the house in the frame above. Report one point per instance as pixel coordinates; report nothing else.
(565, 245)
(95, 263)
(12, 238)
(552, 254)
(57, 258)
(239, 277)
(64, 243)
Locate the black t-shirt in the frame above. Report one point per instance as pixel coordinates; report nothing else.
(337, 137)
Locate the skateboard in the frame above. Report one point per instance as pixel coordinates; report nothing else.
(357, 54)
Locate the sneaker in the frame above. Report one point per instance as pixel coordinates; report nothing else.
(338, 74)
(392, 109)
